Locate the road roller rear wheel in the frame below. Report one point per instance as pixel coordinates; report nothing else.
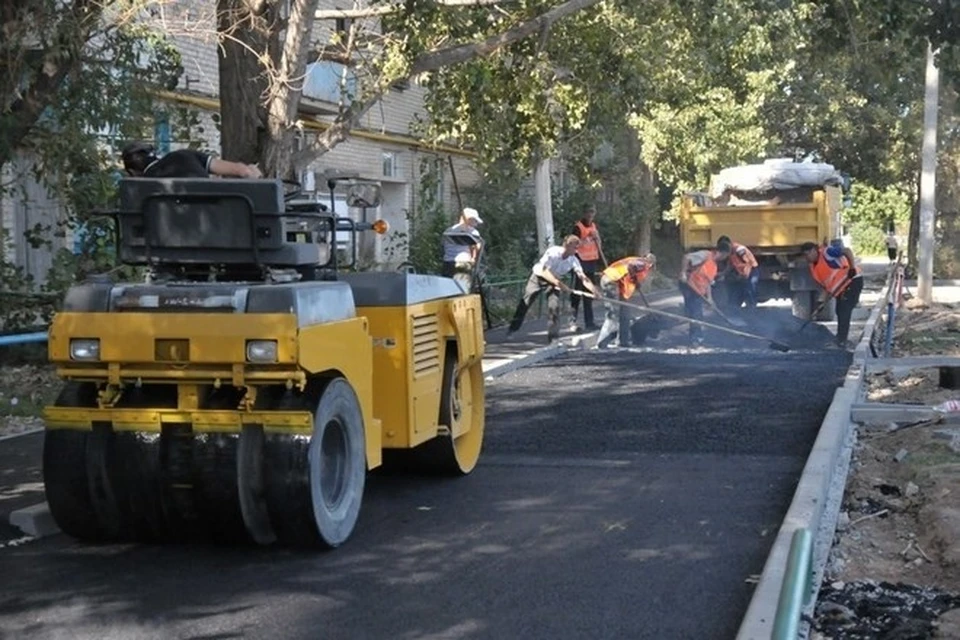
(65, 470)
(314, 486)
(462, 410)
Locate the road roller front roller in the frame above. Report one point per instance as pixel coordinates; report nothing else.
(243, 390)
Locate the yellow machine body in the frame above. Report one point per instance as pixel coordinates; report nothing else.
(243, 391)
(410, 344)
(195, 350)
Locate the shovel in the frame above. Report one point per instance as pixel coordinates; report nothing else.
(773, 344)
(733, 322)
(813, 314)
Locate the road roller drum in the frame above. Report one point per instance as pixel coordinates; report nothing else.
(244, 389)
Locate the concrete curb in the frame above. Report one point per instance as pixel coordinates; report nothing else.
(817, 499)
(35, 521)
(27, 432)
(503, 366)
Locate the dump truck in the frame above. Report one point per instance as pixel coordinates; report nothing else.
(771, 208)
(243, 389)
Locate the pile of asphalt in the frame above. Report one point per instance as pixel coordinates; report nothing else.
(772, 324)
(867, 610)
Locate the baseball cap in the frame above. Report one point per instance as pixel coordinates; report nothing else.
(471, 214)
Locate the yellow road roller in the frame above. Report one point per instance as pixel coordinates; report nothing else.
(243, 389)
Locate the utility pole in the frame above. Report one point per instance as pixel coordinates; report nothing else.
(928, 180)
(544, 205)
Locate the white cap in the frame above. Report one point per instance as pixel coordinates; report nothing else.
(471, 214)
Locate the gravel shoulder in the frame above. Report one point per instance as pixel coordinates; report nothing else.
(894, 570)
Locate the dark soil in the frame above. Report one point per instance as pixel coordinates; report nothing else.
(869, 610)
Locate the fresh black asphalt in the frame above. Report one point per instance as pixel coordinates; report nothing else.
(626, 494)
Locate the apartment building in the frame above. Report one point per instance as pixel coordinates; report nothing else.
(383, 148)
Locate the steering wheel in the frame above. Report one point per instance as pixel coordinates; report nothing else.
(293, 193)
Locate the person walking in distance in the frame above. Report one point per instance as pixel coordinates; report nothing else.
(619, 281)
(892, 246)
(555, 263)
(697, 275)
(461, 248)
(834, 269)
(741, 272)
(589, 255)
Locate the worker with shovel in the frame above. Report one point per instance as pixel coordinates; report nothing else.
(547, 274)
(590, 254)
(834, 269)
(741, 272)
(619, 281)
(697, 275)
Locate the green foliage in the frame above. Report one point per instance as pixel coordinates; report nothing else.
(93, 74)
(428, 220)
(871, 213)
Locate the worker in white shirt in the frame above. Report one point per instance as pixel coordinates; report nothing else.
(547, 275)
(461, 247)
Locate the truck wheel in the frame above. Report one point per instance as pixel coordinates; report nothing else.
(803, 304)
(314, 487)
(462, 411)
(65, 469)
(338, 467)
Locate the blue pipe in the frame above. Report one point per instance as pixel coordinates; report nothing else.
(23, 338)
(888, 338)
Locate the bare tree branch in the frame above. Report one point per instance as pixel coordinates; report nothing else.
(372, 12)
(339, 130)
(59, 61)
(458, 54)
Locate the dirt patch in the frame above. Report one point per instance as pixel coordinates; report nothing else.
(894, 570)
(24, 390)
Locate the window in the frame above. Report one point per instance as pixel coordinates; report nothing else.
(343, 26)
(390, 164)
(161, 134)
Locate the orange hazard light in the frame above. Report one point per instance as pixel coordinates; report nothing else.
(381, 226)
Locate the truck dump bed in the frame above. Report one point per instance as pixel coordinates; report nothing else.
(772, 227)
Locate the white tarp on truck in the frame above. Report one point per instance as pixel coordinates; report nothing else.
(774, 175)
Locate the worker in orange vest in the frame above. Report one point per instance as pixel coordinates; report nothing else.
(740, 270)
(697, 275)
(588, 253)
(619, 281)
(835, 270)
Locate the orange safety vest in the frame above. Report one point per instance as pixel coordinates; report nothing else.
(834, 280)
(745, 265)
(588, 249)
(702, 276)
(619, 272)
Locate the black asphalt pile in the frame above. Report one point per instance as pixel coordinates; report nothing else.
(869, 610)
(772, 324)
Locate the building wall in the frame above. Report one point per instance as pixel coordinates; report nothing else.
(191, 25)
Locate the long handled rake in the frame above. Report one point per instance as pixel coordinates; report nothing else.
(773, 344)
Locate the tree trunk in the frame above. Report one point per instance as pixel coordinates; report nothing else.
(246, 29)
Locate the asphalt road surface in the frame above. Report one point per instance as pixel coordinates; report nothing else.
(623, 494)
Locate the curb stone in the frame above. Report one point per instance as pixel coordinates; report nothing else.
(817, 499)
(35, 521)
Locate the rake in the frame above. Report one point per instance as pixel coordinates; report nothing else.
(773, 344)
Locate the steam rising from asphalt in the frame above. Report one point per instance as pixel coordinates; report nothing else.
(773, 323)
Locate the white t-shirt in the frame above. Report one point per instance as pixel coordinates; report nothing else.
(458, 241)
(553, 261)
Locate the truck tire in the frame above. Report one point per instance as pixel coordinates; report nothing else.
(803, 304)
